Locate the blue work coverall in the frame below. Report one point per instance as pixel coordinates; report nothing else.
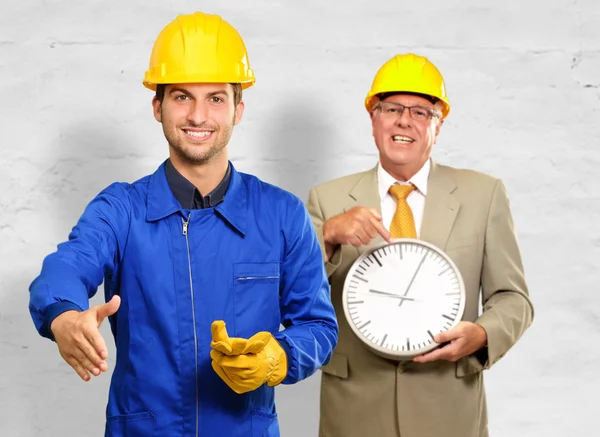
(253, 261)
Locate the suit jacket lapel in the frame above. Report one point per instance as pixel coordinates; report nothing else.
(365, 192)
(441, 207)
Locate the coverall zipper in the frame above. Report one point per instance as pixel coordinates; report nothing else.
(187, 243)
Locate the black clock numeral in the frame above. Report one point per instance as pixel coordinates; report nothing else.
(364, 324)
(383, 339)
(375, 258)
(360, 279)
(444, 271)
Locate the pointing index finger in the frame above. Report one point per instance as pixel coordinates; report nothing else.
(376, 220)
(382, 230)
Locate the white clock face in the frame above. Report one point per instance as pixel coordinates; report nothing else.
(398, 296)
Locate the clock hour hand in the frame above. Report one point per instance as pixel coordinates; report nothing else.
(413, 278)
(397, 296)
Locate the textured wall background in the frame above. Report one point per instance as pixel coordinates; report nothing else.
(524, 84)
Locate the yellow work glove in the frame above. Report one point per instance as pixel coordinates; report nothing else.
(246, 364)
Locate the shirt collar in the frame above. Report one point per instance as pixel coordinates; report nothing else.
(188, 196)
(161, 201)
(419, 180)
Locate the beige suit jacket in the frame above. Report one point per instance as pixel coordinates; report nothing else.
(467, 215)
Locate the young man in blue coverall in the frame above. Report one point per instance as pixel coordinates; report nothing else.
(201, 264)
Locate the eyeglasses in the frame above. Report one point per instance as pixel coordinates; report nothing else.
(391, 110)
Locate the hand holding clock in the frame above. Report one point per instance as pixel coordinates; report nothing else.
(464, 339)
(386, 276)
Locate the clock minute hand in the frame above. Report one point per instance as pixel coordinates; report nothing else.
(413, 278)
(397, 296)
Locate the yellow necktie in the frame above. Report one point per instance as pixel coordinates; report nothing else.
(403, 222)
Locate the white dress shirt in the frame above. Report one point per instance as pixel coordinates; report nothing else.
(416, 199)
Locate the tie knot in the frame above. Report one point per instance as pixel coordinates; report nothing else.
(401, 191)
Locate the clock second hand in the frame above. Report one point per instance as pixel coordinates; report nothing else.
(413, 278)
(397, 296)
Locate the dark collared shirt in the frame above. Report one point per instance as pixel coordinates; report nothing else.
(188, 196)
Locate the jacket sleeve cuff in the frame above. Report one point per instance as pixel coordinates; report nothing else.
(292, 364)
(335, 261)
(476, 362)
(52, 312)
(493, 350)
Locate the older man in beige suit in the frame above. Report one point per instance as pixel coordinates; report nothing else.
(463, 212)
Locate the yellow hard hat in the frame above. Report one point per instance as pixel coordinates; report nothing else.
(199, 48)
(409, 73)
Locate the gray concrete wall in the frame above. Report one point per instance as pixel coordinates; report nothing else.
(524, 84)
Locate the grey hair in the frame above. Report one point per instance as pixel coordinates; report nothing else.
(438, 108)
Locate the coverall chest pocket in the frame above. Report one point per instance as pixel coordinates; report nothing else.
(256, 301)
(136, 424)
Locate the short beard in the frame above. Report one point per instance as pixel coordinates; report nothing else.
(186, 154)
(201, 158)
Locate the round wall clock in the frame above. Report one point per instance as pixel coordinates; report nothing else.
(398, 295)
